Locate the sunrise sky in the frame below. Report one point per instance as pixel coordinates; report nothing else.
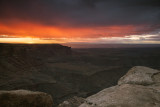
(80, 21)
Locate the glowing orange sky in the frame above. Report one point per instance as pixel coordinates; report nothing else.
(77, 20)
(27, 32)
(26, 29)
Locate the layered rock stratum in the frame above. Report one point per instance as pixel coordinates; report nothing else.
(140, 87)
(25, 98)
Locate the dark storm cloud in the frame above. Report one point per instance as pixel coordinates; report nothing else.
(82, 13)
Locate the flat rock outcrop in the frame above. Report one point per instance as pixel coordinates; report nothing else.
(140, 87)
(24, 98)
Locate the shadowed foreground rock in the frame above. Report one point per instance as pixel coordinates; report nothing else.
(24, 98)
(72, 102)
(140, 87)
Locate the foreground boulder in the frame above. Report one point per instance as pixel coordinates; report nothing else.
(24, 98)
(140, 87)
(140, 75)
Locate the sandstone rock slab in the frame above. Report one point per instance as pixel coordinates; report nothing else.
(140, 87)
(126, 95)
(24, 98)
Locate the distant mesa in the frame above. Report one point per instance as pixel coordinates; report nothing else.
(33, 50)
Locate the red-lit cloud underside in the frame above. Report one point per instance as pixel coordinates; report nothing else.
(28, 29)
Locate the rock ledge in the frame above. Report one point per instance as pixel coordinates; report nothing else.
(140, 87)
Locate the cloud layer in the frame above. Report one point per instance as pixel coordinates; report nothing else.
(79, 18)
